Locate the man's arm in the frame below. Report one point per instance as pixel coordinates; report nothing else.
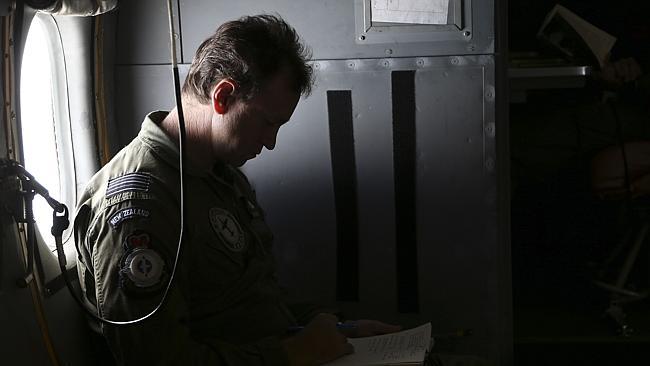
(128, 251)
(132, 247)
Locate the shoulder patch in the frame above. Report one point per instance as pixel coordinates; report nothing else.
(142, 268)
(227, 229)
(127, 213)
(125, 196)
(137, 240)
(135, 182)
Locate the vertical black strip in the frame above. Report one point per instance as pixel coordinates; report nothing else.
(344, 172)
(180, 33)
(403, 92)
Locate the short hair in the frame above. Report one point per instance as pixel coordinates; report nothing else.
(249, 50)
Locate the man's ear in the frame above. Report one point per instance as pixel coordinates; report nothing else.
(223, 95)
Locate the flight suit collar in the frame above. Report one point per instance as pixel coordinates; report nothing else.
(154, 136)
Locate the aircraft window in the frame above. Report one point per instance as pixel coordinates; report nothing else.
(43, 127)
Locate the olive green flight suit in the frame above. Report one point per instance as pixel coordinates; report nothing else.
(225, 306)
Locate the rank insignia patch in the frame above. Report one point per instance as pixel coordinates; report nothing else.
(227, 228)
(131, 182)
(128, 213)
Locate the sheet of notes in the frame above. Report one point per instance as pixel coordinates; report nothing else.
(409, 346)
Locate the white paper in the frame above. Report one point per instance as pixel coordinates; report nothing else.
(410, 11)
(598, 40)
(409, 346)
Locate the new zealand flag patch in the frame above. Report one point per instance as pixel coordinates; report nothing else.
(131, 182)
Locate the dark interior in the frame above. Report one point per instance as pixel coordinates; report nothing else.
(564, 233)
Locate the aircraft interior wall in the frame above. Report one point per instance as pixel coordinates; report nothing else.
(455, 173)
(384, 191)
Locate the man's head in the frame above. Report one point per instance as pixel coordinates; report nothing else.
(249, 51)
(250, 74)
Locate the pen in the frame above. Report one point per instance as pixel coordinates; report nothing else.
(339, 325)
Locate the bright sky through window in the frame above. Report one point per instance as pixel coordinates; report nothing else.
(37, 118)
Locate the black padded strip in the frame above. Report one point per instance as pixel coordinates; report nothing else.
(339, 106)
(403, 95)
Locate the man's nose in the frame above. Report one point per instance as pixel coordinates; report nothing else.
(270, 138)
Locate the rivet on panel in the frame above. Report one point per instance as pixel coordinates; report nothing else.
(420, 62)
(385, 63)
(351, 64)
(467, 33)
(316, 65)
(489, 93)
(489, 164)
(388, 51)
(362, 37)
(455, 61)
(490, 129)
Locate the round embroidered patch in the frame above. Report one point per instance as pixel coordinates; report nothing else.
(144, 267)
(228, 229)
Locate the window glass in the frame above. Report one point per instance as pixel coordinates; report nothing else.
(39, 125)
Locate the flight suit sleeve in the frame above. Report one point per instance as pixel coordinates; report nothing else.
(132, 243)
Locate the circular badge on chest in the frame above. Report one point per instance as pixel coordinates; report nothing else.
(227, 228)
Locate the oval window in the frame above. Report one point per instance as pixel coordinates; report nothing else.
(42, 91)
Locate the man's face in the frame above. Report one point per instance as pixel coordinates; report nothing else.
(251, 125)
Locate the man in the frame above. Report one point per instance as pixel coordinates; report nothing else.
(225, 306)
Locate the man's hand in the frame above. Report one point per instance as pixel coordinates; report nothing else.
(319, 342)
(367, 328)
(616, 74)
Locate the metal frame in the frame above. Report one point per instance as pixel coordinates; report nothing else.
(459, 29)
